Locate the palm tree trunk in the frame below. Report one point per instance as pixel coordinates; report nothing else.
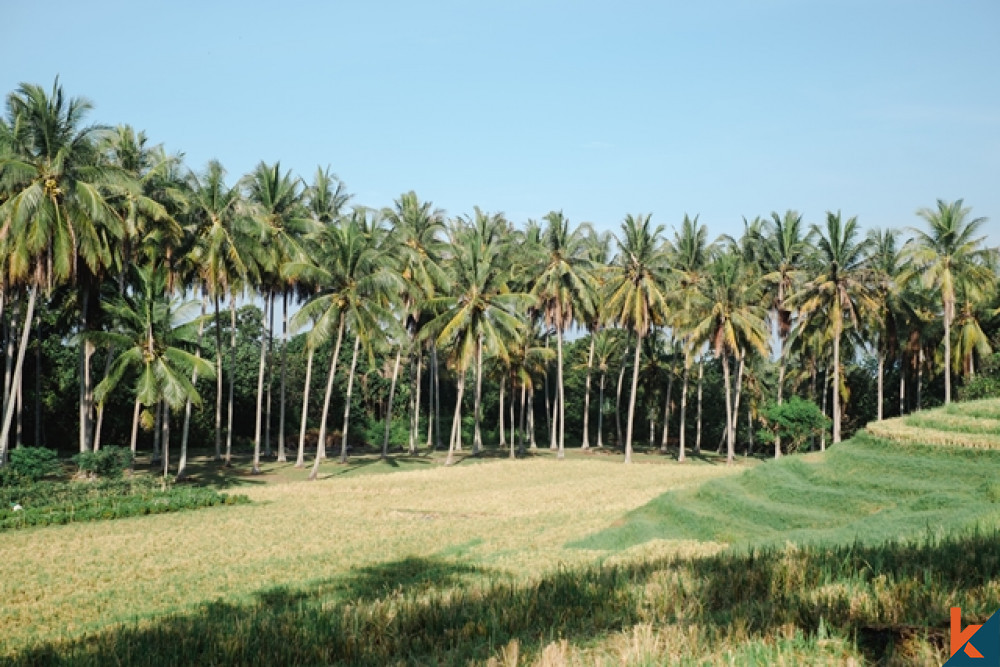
(86, 381)
(500, 414)
(269, 375)
(100, 408)
(781, 388)
(586, 397)
(135, 426)
(618, 395)
(949, 310)
(548, 415)
(284, 376)
(739, 394)
(182, 466)
(600, 412)
(666, 407)
(347, 401)
(684, 401)
(436, 422)
(513, 424)
(456, 424)
(19, 426)
(300, 459)
(477, 439)
(260, 387)
(218, 381)
(701, 378)
(232, 379)
(165, 423)
(415, 423)
(730, 448)
(321, 440)
(520, 435)
(9, 356)
(836, 378)
(531, 417)
(826, 394)
(631, 400)
(39, 433)
(881, 380)
(561, 389)
(388, 410)
(157, 433)
(902, 386)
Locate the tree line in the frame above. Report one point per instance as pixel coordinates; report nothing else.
(141, 263)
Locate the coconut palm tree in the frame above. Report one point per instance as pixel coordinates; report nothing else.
(839, 290)
(597, 247)
(889, 272)
(638, 292)
(480, 312)
(950, 251)
(733, 321)
(783, 247)
(151, 333)
(565, 289)
(60, 225)
(223, 249)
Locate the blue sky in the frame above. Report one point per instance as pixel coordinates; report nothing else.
(723, 109)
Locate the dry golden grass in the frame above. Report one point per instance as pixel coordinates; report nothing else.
(512, 518)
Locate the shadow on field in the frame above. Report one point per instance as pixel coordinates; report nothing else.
(891, 599)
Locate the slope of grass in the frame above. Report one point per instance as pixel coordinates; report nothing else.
(866, 489)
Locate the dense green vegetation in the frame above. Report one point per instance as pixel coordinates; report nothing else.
(132, 287)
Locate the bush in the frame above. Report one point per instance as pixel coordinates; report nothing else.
(795, 421)
(106, 462)
(33, 463)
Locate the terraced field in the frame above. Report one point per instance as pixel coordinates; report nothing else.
(973, 424)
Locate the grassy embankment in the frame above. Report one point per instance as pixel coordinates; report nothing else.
(852, 555)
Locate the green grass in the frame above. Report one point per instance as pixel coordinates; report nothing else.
(865, 489)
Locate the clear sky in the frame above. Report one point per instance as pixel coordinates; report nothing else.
(719, 108)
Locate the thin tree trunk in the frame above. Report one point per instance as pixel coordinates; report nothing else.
(826, 393)
(881, 379)
(739, 394)
(39, 435)
(166, 439)
(9, 336)
(548, 415)
(255, 470)
(347, 401)
(437, 401)
(600, 412)
(456, 424)
(282, 457)
(182, 466)
(18, 372)
(86, 390)
(218, 380)
(503, 435)
(684, 401)
(949, 309)
(19, 427)
(666, 407)
(531, 418)
(836, 379)
(269, 375)
(730, 448)
(232, 379)
(300, 459)
(618, 395)
(415, 423)
(561, 389)
(586, 397)
(920, 379)
(749, 447)
(697, 433)
(513, 424)
(388, 410)
(157, 433)
(321, 441)
(520, 435)
(477, 438)
(631, 400)
(902, 385)
(136, 411)
(781, 388)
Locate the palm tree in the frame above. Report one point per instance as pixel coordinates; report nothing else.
(839, 290)
(56, 216)
(733, 321)
(597, 247)
(889, 271)
(223, 250)
(416, 227)
(479, 312)
(151, 332)
(950, 251)
(281, 213)
(565, 288)
(783, 250)
(637, 289)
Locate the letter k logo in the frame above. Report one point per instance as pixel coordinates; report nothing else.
(960, 636)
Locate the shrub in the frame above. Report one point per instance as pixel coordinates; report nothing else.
(106, 462)
(795, 421)
(985, 384)
(33, 463)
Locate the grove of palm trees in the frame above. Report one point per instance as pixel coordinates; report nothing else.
(269, 329)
